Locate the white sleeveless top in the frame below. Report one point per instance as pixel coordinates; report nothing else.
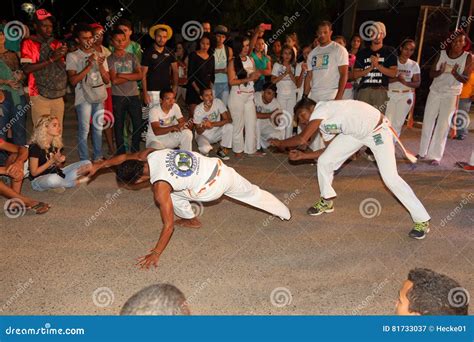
(249, 66)
(446, 83)
(183, 170)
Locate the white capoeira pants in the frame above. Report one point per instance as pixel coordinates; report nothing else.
(244, 115)
(439, 111)
(266, 130)
(182, 139)
(214, 135)
(229, 183)
(398, 107)
(288, 103)
(317, 142)
(380, 141)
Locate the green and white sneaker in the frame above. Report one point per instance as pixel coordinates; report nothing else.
(322, 206)
(419, 231)
(223, 153)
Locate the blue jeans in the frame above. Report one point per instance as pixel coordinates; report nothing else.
(84, 113)
(53, 180)
(221, 91)
(132, 106)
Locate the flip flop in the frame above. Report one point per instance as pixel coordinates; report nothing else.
(39, 209)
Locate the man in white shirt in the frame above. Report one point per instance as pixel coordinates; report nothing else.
(271, 121)
(346, 126)
(328, 70)
(179, 177)
(213, 124)
(328, 66)
(166, 125)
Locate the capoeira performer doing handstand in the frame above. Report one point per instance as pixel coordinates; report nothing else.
(180, 176)
(349, 125)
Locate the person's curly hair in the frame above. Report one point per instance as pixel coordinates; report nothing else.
(433, 294)
(129, 171)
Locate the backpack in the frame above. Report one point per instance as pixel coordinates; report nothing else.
(51, 81)
(93, 86)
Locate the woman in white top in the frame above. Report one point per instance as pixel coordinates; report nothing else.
(401, 89)
(301, 72)
(450, 71)
(283, 75)
(242, 73)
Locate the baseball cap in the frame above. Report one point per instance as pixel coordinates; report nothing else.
(43, 14)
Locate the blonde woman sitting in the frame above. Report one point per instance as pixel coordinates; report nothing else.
(46, 162)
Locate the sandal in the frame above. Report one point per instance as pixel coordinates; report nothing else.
(40, 208)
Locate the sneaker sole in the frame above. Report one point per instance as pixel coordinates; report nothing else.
(421, 237)
(328, 211)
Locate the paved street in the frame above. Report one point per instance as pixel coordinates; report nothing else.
(242, 261)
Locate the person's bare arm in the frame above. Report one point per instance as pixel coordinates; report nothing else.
(233, 80)
(56, 57)
(225, 119)
(464, 77)
(115, 80)
(299, 139)
(414, 83)
(146, 97)
(343, 75)
(76, 77)
(162, 196)
(361, 72)
(300, 155)
(434, 72)
(15, 169)
(114, 161)
(307, 82)
(136, 75)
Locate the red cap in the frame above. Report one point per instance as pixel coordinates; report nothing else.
(96, 26)
(43, 14)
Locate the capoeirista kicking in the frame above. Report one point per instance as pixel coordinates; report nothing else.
(346, 126)
(180, 176)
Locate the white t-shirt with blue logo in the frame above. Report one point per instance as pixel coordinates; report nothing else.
(324, 63)
(157, 114)
(183, 170)
(349, 117)
(213, 114)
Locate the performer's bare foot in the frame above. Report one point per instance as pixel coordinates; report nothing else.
(189, 223)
